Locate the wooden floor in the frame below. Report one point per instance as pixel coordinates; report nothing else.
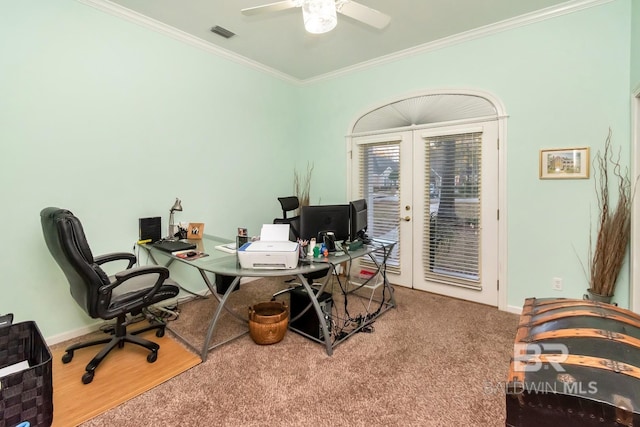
(124, 373)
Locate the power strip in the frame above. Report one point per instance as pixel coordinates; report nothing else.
(352, 246)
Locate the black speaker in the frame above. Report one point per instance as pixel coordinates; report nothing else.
(309, 322)
(223, 282)
(150, 228)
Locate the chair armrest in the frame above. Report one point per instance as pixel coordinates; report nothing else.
(116, 256)
(163, 272)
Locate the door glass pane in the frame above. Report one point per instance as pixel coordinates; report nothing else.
(379, 186)
(451, 251)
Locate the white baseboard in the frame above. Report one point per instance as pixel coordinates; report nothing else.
(514, 309)
(180, 299)
(65, 336)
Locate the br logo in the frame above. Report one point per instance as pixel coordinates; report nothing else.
(534, 357)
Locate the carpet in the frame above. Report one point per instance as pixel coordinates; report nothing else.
(122, 375)
(432, 362)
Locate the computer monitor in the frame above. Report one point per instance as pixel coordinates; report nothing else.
(318, 218)
(358, 215)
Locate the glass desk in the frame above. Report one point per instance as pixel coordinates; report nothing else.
(223, 263)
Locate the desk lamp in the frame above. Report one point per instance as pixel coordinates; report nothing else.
(177, 206)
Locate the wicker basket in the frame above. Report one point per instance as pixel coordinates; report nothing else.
(25, 395)
(268, 322)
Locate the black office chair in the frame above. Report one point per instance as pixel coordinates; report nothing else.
(290, 203)
(101, 296)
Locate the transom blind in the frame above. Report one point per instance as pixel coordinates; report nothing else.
(379, 186)
(451, 248)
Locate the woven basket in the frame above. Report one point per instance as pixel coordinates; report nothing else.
(268, 322)
(25, 395)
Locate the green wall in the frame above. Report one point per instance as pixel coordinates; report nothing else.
(562, 84)
(635, 45)
(93, 107)
(93, 110)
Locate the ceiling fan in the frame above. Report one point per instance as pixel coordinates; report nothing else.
(319, 16)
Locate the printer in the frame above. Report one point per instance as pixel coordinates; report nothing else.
(272, 251)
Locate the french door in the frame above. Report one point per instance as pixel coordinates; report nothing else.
(434, 191)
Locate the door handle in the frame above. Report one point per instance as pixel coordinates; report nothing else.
(406, 218)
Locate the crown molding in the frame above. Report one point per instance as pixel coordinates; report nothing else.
(508, 24)
(520, 21)
(159, 27)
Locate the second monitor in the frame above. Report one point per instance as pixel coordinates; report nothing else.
(359, 221)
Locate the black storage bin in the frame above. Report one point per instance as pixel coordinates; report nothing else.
(26, 395)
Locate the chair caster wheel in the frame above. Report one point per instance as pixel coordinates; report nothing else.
(87, 377)
(66, 358)
(160, 332)
(152, 357)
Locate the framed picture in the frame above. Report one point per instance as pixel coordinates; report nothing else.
(563, 163)
(195, 230)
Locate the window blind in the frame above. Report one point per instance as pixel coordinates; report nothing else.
(379, 186)
(451, 248)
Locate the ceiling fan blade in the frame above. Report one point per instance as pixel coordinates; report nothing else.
(271, 7)
(365, 14)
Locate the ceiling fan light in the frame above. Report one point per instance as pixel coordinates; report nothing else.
(319, 15)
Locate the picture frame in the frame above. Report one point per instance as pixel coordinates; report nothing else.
(195, 230)
(564, 163)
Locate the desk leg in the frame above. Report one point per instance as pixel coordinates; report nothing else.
(319, 313)
(212, 325)
(382, 268)
(214, 292)
(207, 281)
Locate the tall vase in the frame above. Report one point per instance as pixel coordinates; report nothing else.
(593, 296)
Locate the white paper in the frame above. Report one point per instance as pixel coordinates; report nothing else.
(228, 247)
(16, 367)
(274, 233)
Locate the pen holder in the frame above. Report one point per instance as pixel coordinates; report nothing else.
(240, 240)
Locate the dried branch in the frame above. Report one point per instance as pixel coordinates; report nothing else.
(302, 185)
(614, 226)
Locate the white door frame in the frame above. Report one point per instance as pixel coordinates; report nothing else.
(634, 280)
(501, 117)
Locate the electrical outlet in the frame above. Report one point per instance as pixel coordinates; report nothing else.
(556, 284)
